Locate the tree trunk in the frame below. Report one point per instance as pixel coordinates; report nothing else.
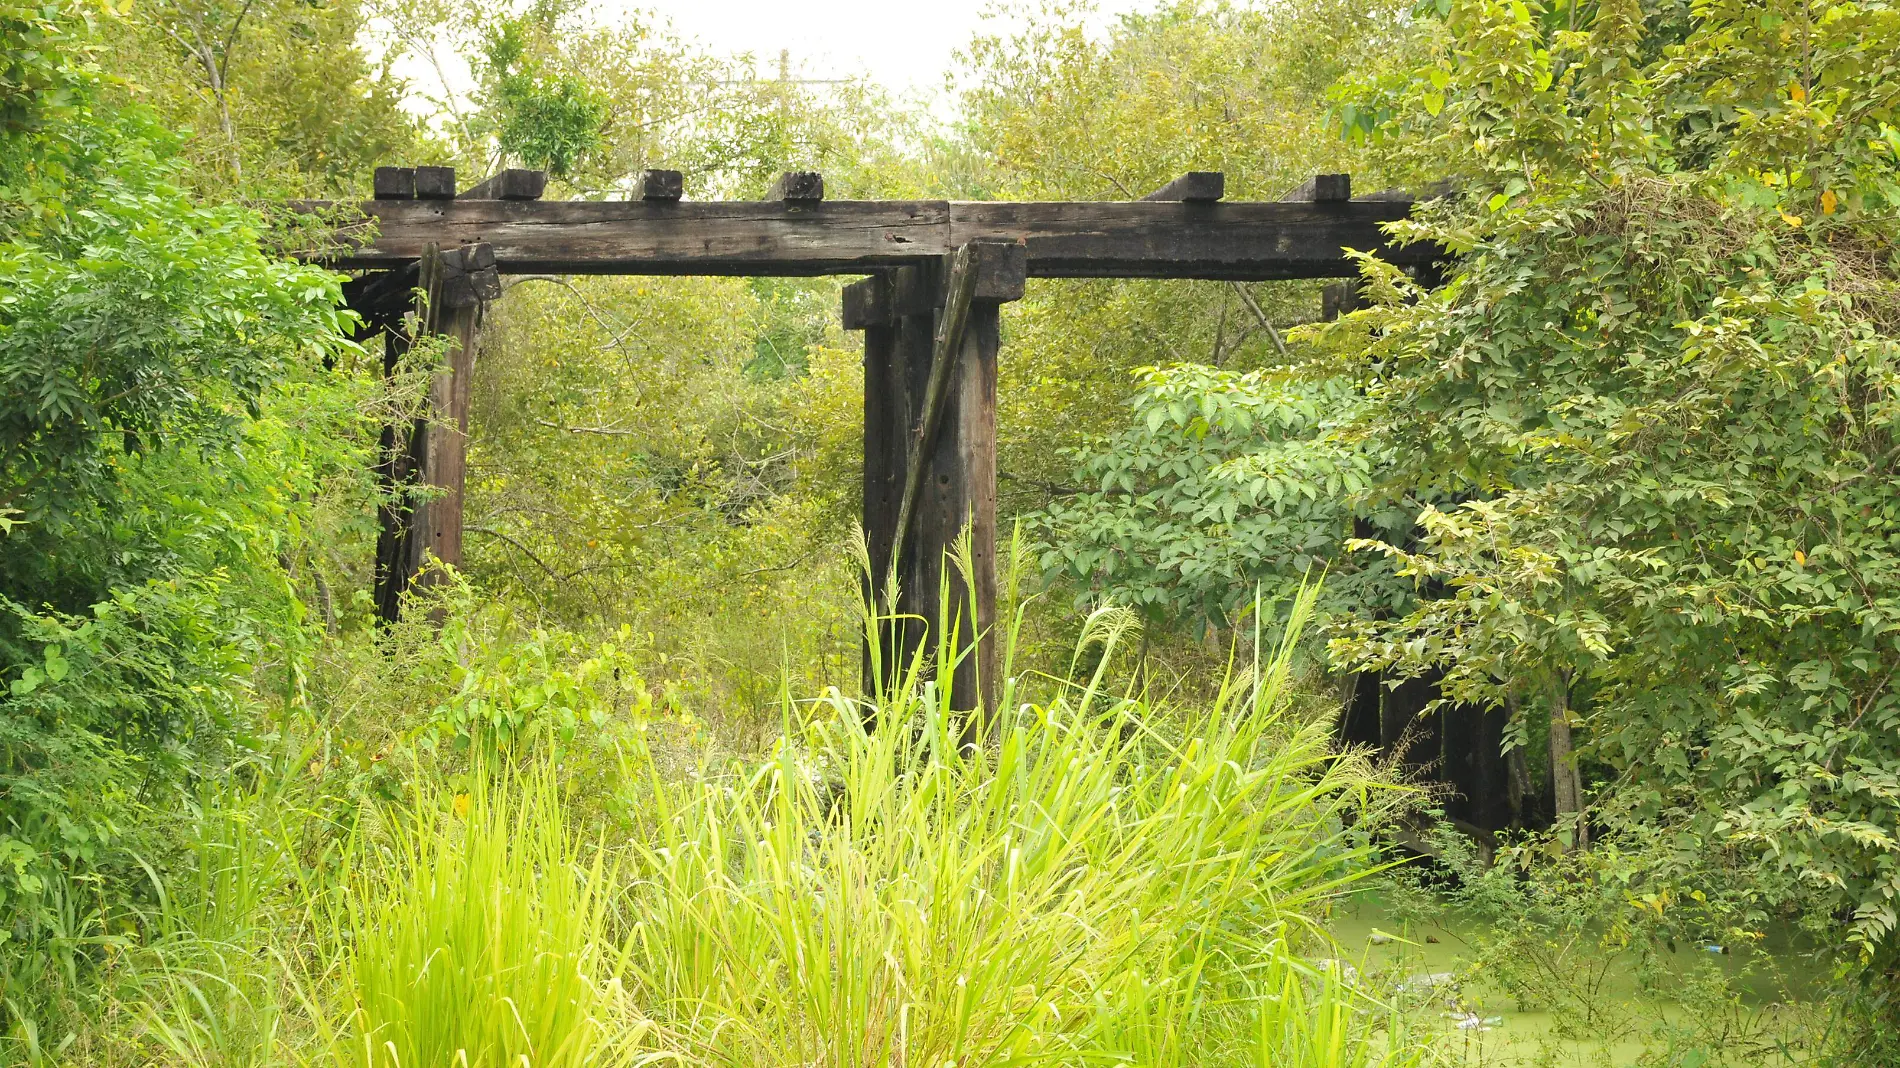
(1566, 787)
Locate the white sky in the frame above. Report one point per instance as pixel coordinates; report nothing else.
(907, 45)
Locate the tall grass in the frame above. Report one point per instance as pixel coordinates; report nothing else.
(476, 937)
(1110, 880)
(1107, 878)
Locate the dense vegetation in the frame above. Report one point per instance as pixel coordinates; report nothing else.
(1620, 477)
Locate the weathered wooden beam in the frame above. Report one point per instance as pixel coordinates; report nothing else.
(931, 335)
(804, 186)
(435, 183)
(1194, 187)
(662, 186)
(1322, 189)
(514, 183)
(1238, 241)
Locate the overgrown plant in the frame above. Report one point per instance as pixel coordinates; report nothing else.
(477, 934)
(1664, 375)
(1101, 880)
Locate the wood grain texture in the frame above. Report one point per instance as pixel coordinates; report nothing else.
(435, 183)
(798, 185)
(514, 183)
(394, 183)
(1238, 241)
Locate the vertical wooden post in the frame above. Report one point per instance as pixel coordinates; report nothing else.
(870, 306)
(444, 469)
(424, 466)
(900, 315)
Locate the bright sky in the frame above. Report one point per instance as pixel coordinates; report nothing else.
(905, 44)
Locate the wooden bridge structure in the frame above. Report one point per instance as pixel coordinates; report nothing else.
(937, 273)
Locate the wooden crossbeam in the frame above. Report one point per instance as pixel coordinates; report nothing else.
(1229, 240)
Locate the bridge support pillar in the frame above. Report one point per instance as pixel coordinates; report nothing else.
(945, 602)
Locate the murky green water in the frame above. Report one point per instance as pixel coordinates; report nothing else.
(1577, 1005)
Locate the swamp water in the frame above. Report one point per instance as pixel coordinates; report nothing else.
(1549, 1002)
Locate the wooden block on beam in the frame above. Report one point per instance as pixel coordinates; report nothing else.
(664, 186)
(435, 183)
(867, 304)
(1194, 187)
(806, 186)
(395, 183)
(515, 183)
(1001, 269)
(1323, 189)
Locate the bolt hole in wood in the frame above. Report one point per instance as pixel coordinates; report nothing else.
(503, 225)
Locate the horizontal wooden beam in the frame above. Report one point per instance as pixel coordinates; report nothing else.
(1138, 239)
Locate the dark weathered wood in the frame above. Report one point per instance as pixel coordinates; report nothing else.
(395, 183)
(1227, 241)
(886, 422)
(641, 237)
(1002, 268)
(469, 276)
(1239, 241)
(930, 472)
(1194, 187)
(663, 186)
(423, 467)
(435, 183)
(1338, 299)
(946, 348)
(867, 303)
(973, 437)
(798, 185)
(515, 183)
(1323, 189)
(445, 469)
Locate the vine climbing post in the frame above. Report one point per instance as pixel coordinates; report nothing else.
(424, 464)
(932, 333)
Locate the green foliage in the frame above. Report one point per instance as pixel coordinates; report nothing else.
(143, 336)
(1665, 370)
(105, 721)
(1055, 109)
(1108, 879)
(542, 683)
(133, 320)
(644, 455)
(544, 119)
(478, 935)
(1227, 485)
(47, 52)
(277, 97)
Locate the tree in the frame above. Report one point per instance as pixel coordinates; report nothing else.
(142, 333)
(1663, 379)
